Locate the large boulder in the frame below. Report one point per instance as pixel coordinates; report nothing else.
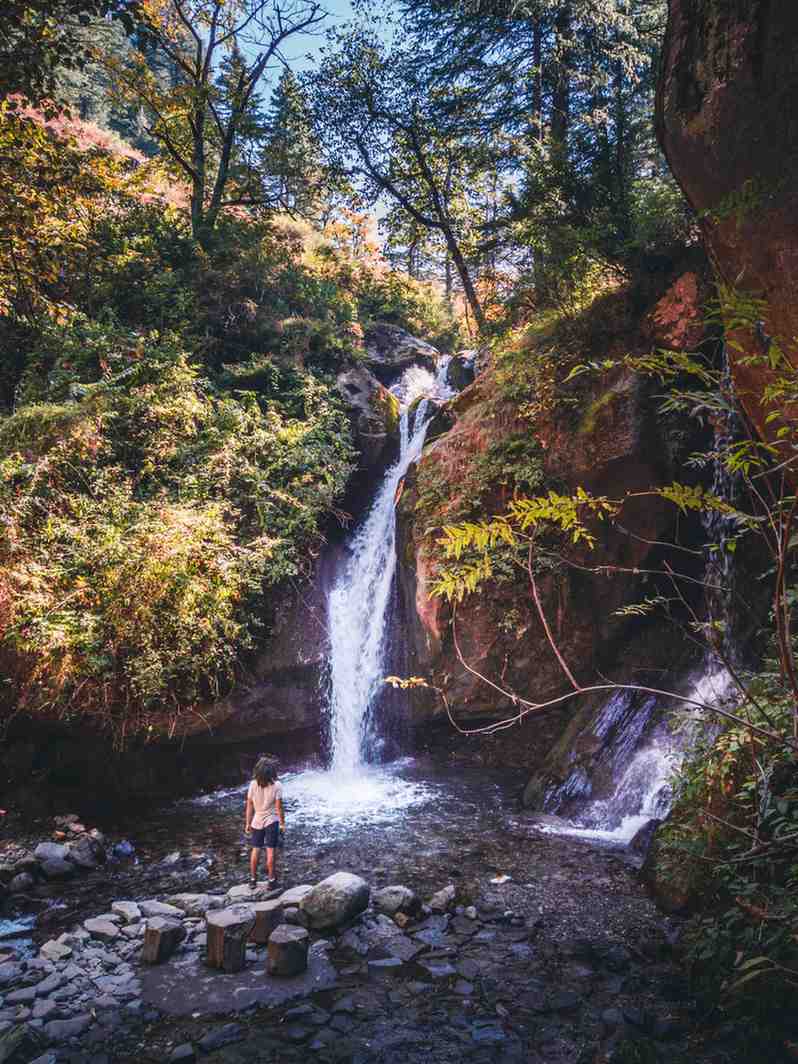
(390, 350)
(374, 415)
(726, 120)
(336, 900)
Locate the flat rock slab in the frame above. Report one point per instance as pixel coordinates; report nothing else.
(185, 985)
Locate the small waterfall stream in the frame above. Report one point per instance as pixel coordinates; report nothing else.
(648, 737)
(359, 603)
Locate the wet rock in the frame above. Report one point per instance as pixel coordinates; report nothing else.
(437, 969)
(55, 951)
(196, 904)
(85, 852)
(21, 883)
(57, 869)
(9, 973)
(184, 1054)
(228, 931)
(222, 1036)
(374, 417)
(161, 938)
(268, 916)
(295, 895)
(470, 912)
(44, 1009)
(152, 907)
(102, 929)
(335, 900)
(395, 899)
(443, 899)
(128, 910)
(390, 350)
(563, 1001)
(63, 1030)
(487, 1032)
(49, 984)
(288, 950)
(50, 851)
(24, 996)
(385, 966)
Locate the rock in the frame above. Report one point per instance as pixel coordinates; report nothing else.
(85, 852)
(394, 899)
(460, 371)
(196, 904)
(725, 121)
(123, 849)
(244, 893)
(287, 951)
(50, 851)
(44, 1009)
(62, 1030)
(437, 969)
(470, 912)
(161, 938)
(128, 910)
(49, 984)
(268, 916)
(390, 350)
(222, 1036)
(57, 869)
(385, 966)
(374, 417)
(55, 951)
(158, 908)
(24, 996)
(10, 972)
(46, 1058)
(295, 895)
(184, 1054)
(171, 859)
(102, 929)
(21, 883)
(442, 900)
(228, 931)
(335, 900)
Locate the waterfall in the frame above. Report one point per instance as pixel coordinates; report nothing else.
(646, 739)
(359, 602)
(642, 789)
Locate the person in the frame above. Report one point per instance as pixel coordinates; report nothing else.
(264, 818)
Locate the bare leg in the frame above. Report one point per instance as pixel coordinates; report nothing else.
(253, 863)
(270, 862)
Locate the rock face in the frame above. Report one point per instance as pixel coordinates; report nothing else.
(390, 350)
(374, 417)
(338, 898)
(726, 120)
(607, 438)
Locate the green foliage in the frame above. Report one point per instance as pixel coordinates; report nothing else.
(145, 517)
(735, 824)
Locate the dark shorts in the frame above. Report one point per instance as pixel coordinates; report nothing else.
(265, 837)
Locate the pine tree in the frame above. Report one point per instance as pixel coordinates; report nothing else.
(291, 159)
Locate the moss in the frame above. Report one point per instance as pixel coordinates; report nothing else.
(388, 405)
(590, 417)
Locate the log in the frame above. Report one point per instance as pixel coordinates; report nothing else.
(228, 931)
(288, 950)
(162, 936)
(268, 915)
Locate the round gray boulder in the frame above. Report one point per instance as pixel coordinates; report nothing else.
(336, 900)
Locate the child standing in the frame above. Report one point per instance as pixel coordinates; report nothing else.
(265, 817)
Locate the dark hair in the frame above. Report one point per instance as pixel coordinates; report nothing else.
(265, 771)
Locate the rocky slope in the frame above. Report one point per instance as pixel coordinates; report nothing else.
(602, 433)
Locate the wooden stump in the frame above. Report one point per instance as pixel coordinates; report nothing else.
(268, 915)
(228, 930)
(288, 950)
(162, 936)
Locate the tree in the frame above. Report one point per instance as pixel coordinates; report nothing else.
(204, 125)
(293, 173)
(383, 126)
(40, 37)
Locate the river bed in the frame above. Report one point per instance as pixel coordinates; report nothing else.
(566, 957)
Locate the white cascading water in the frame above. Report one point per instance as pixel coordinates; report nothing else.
(360, 599)
(643, 791)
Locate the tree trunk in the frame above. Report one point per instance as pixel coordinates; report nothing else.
(537, 84)
(465, 279)
(561, 96)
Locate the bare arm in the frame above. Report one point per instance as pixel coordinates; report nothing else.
(248, 815)
(278, 805)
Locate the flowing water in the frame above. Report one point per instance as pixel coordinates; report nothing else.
(642, 774)
(359, 604)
